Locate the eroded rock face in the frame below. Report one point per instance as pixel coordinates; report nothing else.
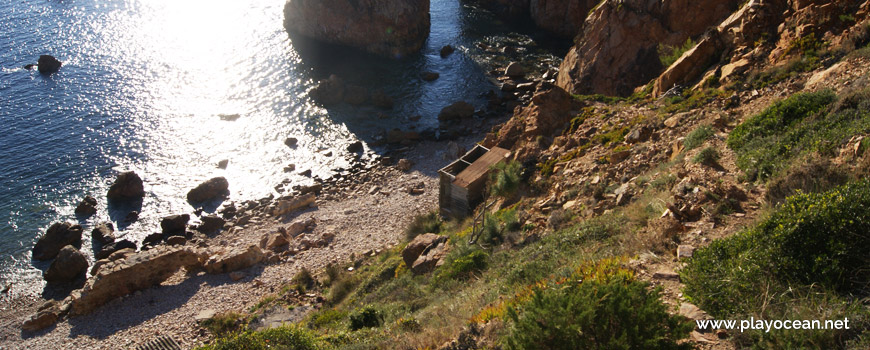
(136, 272)
(128, 185)
(618, 48)
(549, 113)
(69, 264)
(383, 27)
(560, 17)
(210, 189)
(59, 235)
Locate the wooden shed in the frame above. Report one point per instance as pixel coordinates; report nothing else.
(463, 181)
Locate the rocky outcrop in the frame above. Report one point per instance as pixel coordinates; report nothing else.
(233, 259)
(511, 10)
(690, 65)
(47, 64)
(561, 17)
(210, 224)
(47, 315)
(548, 113)
(104, 233)
(289, 205)
(174, 224)
(69, 264)
(128, 185)
(110, 248)
(58, 235)
(87, 207)
(210, 189)
(618, 48)
(419, 245)
(383, 27)
(430, 259)
(136, 272)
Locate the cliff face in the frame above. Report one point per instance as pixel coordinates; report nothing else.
(560, 17)
(617, 50)
(383, 27)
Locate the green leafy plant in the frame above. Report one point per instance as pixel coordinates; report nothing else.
(504, 178)
(285, 337)
(366, 317)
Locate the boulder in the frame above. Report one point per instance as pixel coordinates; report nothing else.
(104, 233)
(561, 17)
(430, 259)
(211, 189)
(174, 224)
(355, 147)
(87, 207)
(617, 50)
(383, 27)
(131, 217)
(300, 226)
(210, 224)
(457, 110)
(446, 50)
(275, 242)
(290, 142)
(69, 264)
(286, 206)
(58, 235)
(136, 272)
(128, 185)
(47, 64)
(419, 245)
(47, 315)
(328, 92)
(690, 66)
(152, 240)
(113, 247)
(234, 259)
(515, 70)
(547, 114)
(404, 165)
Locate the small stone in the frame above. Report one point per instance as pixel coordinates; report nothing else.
(204, 315)
(404, 165)
(672, 122)
(685, 251)
(446, 51)
(223, 164)
(666, 275)
(236, 275)
(291, 142)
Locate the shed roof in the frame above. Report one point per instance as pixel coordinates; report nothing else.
(480, 167)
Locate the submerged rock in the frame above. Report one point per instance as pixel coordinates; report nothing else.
(383, 27)
(58, 235)
(457, 110)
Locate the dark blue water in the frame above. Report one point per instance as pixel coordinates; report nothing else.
(141, 88)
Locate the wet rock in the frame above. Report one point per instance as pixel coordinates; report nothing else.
(419, 245)
(113, 247)
(211, 189)
(47, 64)
(210, 224)
(355, 95)
(47, 315)
(104, 233)
(384, 27)
(515, 70)
(355, 147)
(382, 100)
(58, 235)
(69, 264)
(138, 271)
(429, 76)
(286, 206)
(234, 259)
(290, 142)
(131, 217)
(223, 164)
(174, 224)
(87, 207)
(128, 185)
(404, 165)
(446, 50)
(457, 110)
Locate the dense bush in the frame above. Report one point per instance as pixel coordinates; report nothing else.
(616, 312)
(813, 239)
(286, 338)
(464, 264)
(367, 316)
(707, 156)
(504, 178)
(698, 136)
(779, 117)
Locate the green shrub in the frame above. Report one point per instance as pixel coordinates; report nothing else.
(326, 317)
(303, 280)
(779, 117)
(463, 265)
(341, 288)
(707, 156)
(616, 313)
(423, 223)
(504, 178)
(816, 239)
(285, 337)
(670, 54)
(698, 136)
(367, 316)
(224, 323)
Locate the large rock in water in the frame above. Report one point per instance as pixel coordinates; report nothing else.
(211, 189)
(58, 235)
(128, 185)
(383, 27)
(174, 224)
(69, 264)
(617, 50)
(47, 64)
(561, 17)
(124, 276)
(87, 207)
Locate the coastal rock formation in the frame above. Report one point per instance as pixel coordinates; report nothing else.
(211, 189)
(618, 48)
(47, 315)
(560, 17)
(69, 264)
(87, 207)
(383, 27)
(234, 259)
(58, 235)
(47, 64)
(511, 10)
(128, 185)
(136, 272)
(104, 233)
(289, 205)
(690, 65)
(210, 224)
(430, 259)
(548, 113)
(110, 248)
(174, 224)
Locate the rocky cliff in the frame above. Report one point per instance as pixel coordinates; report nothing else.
(382, 27)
